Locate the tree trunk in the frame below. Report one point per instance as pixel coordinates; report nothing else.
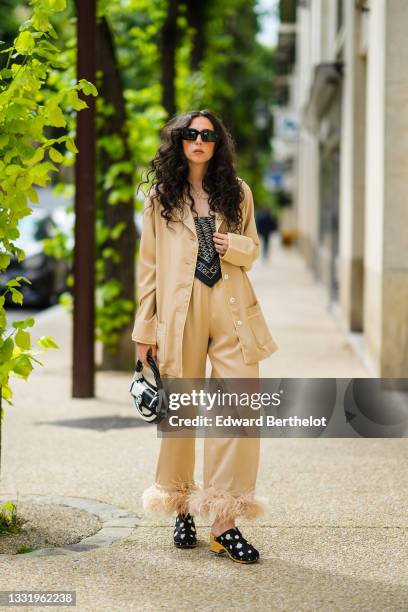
(111, 91)
(196, 16)
(169, 37)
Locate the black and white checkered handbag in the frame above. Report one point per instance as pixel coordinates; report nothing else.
(150, 400)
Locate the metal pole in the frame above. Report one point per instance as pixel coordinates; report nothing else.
(83, 366)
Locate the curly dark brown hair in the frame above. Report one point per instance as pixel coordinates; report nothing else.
(170, 171)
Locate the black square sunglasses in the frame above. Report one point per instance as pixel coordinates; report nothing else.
(192, 134)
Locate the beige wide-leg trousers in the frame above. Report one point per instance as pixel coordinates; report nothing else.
(230, 464)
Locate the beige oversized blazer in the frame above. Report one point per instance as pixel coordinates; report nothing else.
(166, 266)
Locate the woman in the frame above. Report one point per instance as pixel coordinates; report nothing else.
(195, 299)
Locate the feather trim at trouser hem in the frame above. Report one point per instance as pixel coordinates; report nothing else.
(223, 505)
(164, 501)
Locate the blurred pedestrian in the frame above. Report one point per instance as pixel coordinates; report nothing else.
(266, 224)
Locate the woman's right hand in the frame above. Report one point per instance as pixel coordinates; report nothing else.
(143, 349)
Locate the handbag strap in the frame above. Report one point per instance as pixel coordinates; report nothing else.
(154, 367)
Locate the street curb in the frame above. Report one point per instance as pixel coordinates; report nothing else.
(117, 523)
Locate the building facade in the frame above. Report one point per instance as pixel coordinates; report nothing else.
(344, 76)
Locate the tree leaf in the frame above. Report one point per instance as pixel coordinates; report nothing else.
(87, 87)
(22, 339)
(47, 342)
(22, 366)
(55, 155)
(4, 261)
(16, 296)
(71, 146)
(24, 43)
(29, 322)
(6, 350)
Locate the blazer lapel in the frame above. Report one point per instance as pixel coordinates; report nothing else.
(188, 220)
(218, 221)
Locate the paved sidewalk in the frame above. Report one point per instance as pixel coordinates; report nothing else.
(311, 342)
(335, 538)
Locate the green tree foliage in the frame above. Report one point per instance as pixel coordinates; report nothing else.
(234, 75)
(29, 106)
(218, 64)
(128, 124)
(235, 78)
(129, 119)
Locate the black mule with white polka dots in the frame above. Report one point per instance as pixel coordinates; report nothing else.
(185, 531)
(236, 546)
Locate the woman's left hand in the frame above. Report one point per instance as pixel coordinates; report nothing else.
(220, 242)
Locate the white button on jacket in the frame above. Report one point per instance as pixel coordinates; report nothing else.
(164, 284)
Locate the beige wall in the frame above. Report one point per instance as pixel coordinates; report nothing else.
(373, 240)
(352, 175)
(394, 330)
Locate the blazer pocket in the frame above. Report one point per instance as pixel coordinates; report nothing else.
(258, 325)
(161, 341)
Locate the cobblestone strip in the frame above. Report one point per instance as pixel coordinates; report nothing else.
(117, 523)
